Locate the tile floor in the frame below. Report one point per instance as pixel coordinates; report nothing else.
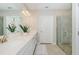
(67, 48)
(48, 49)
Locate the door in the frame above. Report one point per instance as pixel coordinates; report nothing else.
(1, 25)
(45, 29)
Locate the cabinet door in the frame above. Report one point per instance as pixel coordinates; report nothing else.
(31, 46)
(28, 49)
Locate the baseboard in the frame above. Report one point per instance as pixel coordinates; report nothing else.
(48, 43)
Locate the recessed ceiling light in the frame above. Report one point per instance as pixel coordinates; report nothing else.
(46, 6)
(9, 7)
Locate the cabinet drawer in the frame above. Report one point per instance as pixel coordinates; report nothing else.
(28, 49)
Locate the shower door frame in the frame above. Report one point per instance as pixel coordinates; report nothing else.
(57, 32)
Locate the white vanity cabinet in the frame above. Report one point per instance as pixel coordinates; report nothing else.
(29, 47)
(19, 44)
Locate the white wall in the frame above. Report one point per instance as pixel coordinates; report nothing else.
(52, 12)
(10, 13)
(31, 21)
(75, 32)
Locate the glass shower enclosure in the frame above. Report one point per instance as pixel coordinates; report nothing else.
(64, 33)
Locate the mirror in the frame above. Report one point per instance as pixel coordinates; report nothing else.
(1, 25)
(5, 21)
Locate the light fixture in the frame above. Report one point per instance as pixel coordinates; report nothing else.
(25, 12)
(9, 7)
(46, 6)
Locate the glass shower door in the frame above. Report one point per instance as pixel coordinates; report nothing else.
(64, 33)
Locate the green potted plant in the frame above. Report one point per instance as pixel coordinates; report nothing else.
(11, 28)
(24, 29)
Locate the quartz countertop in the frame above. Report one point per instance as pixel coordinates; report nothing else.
(15, 43)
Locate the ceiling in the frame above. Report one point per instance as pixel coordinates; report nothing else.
(10, 6)
(49, 6)
(35, 6)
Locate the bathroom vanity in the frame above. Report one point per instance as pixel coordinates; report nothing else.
(19, 44)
